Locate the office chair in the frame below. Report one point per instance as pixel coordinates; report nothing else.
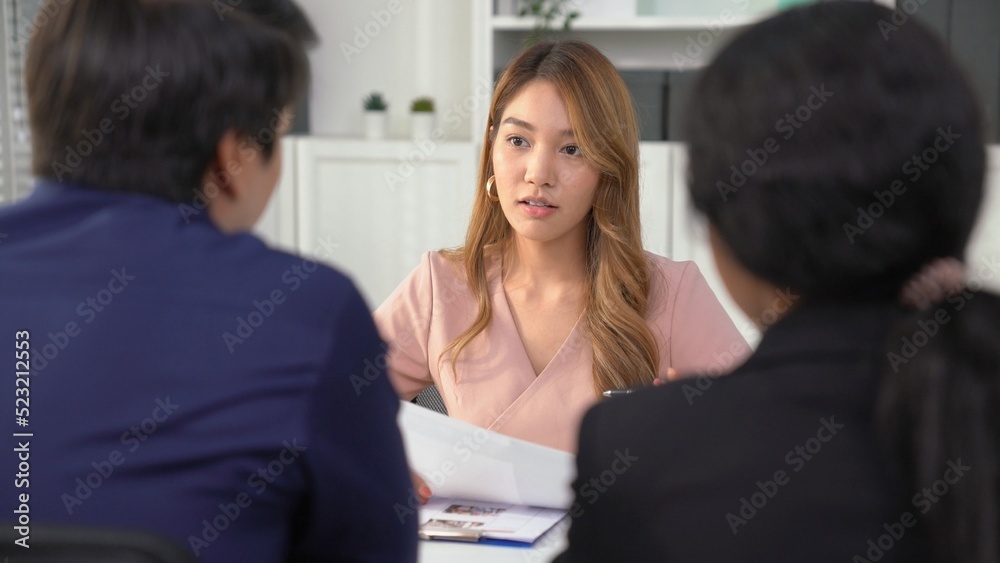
(430, 398)
(78, 544)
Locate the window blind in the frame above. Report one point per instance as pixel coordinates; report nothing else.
(15, 141)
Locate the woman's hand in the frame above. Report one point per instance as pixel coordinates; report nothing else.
(672, 374)
(421, 488)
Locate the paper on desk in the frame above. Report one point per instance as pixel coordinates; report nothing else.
(499, 521)
(461, 460)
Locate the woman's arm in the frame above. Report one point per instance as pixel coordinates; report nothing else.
(404, 322)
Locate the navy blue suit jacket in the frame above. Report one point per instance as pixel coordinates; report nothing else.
(195, 384)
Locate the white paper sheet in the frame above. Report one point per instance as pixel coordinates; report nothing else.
(460, 460)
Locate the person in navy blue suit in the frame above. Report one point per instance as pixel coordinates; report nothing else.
(174, 374)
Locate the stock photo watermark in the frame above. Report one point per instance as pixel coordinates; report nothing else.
(899, 17)
(249, 151)
(796, 459)
(724, 362)
(911, 344)
(122, 107)
(454, 117)
(257, 482)
(28, 28)
(697, 44)
(225, 7)
(88, 310)
(787, 126)
(364, 34)
(247, 324)
(22, 451)
(592, 489)
(446, 293)
(132, 439)
(913, 168)
(923, 501)
(263, 309)
(376, 368)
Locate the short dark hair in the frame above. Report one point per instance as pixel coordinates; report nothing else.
(134, 95)
(868, 99)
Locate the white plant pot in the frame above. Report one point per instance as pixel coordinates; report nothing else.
(422, 124)
(376, 124)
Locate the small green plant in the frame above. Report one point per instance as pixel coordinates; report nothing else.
(547, 13)
(422, 105)
(375, 102)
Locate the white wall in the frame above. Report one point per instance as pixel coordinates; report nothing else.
(983, 256)
(421, 50)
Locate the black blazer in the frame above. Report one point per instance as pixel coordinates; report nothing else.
(776, 462)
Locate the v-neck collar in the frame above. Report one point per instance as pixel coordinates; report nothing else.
(502, 313)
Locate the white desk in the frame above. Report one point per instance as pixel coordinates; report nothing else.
(545, 549)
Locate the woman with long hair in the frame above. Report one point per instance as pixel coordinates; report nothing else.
(865, 425)
(552, 300)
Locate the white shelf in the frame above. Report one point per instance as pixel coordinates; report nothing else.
(638, 23)
(664, 43)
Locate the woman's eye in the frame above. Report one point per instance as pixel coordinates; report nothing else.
(572, 150)
(517, 141)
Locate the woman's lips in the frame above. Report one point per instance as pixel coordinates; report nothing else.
(537, 208)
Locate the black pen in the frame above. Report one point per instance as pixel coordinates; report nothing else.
(618, 392)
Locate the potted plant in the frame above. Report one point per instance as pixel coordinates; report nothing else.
(422, 118)
(376, 116)
(550, 16)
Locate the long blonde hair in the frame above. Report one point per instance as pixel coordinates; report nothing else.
(618, 285)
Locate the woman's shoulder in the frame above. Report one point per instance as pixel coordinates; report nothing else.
(444, 273)
(447, 264)
(677, 281)
(436, 263)
(439, 275)
(670, 271)
(450, 263)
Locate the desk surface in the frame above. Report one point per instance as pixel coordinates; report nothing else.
(545, 549)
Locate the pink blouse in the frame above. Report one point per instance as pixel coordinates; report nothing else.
(497, 388)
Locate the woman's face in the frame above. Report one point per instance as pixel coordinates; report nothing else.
(545, 185)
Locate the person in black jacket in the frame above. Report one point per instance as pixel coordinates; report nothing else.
(838, 158)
